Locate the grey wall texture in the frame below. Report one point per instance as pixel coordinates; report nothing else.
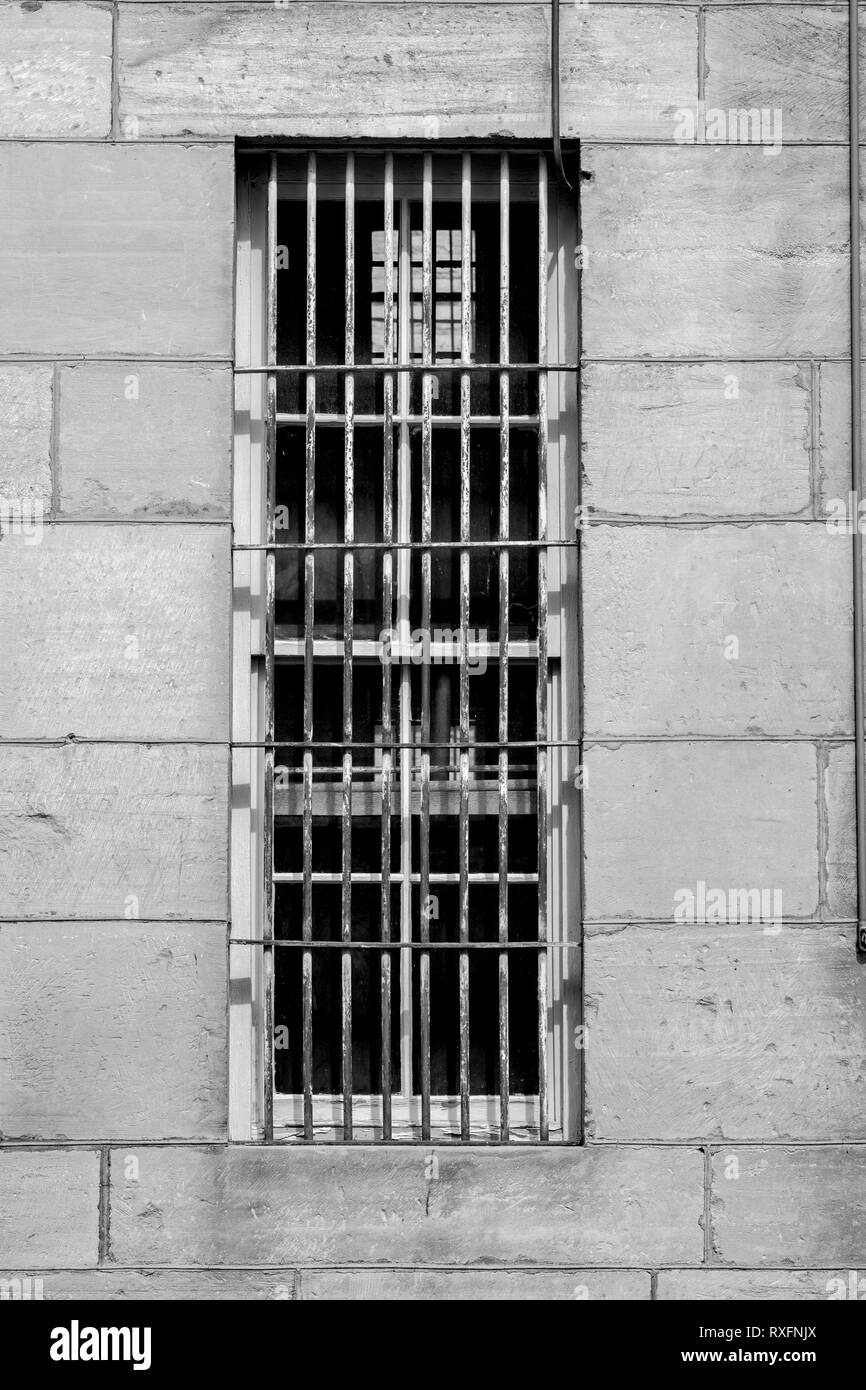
(725, 1152)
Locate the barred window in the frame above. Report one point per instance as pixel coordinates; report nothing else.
(406, 701)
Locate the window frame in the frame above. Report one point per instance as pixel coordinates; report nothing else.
(251, 966)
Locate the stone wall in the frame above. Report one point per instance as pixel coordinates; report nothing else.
(726, 1062)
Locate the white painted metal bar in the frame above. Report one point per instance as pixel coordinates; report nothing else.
(504, 600)
(426, 586)
(404, 530)
(387, 621)
(466, 267)
(365, 876)
(309, 619)
(337, 419)
(542, 694)
(270, 615)
(348, 635)
(247, 1019)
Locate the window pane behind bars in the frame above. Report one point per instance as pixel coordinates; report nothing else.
(368, 619)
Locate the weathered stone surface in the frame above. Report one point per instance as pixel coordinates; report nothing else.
(713, 629)
(840, 855)
(661, 817)
(81, 1005)
(741, 1284)
(704, 1031)
(715, 251)
(49, 1208)
(623, 78)
(25, 437)
(793, 62)
(155, 1284)
(465, 1285)
(419, 70)
(140, 439)
(98, 830)
(115, 631)
(55, 70)
(834, 436)
(370, 1205)
(119, 249)
(789, 1206)
(728, 439)
(318, 70)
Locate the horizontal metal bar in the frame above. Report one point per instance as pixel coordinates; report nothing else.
(313, 946)
(376, 421)
(395, 743)
(327, 797)
(304, 546)
(325, 877)
(327, 650)
(390, 368)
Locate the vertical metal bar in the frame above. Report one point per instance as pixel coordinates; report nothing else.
(309, 616)
(541, 699)
(426, 585)
(387, 619)
(404, 531)
(504, 501)
(857, 462)
(465, 408)
(565, 993)
(270, 609)
(348, 633)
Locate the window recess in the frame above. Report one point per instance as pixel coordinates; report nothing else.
(406, 900)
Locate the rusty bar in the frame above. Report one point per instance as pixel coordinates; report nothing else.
(465, 416)
(504, 501)
(348, 634)
(541, 702)
(426, 585)
(387, 619)
(336, 420)
(462, 367)
(418, 946)
(395, 743)
(370, 876)
(407, 758)
(270, 613)
(493, 544)
(309, 618)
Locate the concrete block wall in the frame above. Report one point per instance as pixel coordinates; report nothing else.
(725, 1063)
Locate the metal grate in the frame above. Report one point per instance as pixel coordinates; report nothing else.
(418, 372)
